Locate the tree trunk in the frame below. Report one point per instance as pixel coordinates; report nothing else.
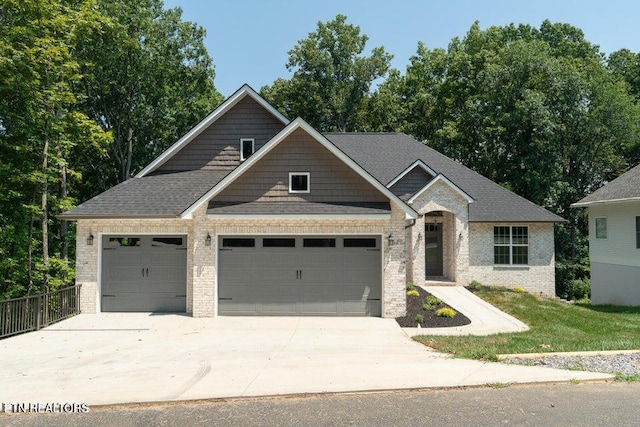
(129, 153)
(64, 225)
(30, 247)
(44, 207)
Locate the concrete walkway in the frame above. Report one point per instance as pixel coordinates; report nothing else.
(119, 358)
(485, 318)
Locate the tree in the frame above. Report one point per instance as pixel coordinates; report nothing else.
(147, 78)
(535, 110)
(331, 77)
(41, 123)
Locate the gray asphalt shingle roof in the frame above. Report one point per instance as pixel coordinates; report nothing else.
(383, 155)
(298, 208)
(626, 186)
(164, 195)
(386, 155)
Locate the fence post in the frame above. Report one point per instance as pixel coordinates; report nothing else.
(38, 304)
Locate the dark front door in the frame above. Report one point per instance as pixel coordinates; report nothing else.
(433, 249)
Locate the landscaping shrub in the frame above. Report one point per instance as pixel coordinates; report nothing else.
(410, 286)
(446, 312)
(419, 318)
(566, 273)
(430, 303)
(579, 289)
(475, 285)
(518, 289)
(413, 293)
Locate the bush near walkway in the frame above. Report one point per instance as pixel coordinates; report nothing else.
(555, 326)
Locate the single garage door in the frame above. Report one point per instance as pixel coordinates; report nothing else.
(144, 273)
(300, 275)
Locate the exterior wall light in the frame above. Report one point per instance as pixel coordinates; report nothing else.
(391, 240)
(90, 239)
(207, 240)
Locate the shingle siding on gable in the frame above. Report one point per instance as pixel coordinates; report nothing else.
(409, 184)
(331, 180)
(218, 147)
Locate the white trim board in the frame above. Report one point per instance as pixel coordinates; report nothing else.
(444, 179)
(417, 163)
(602, 202)
(363, 217)
(229, 103)
(281, 136)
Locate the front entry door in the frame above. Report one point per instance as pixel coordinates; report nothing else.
(433, 249)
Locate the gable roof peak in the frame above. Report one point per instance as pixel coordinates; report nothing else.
(244, 91)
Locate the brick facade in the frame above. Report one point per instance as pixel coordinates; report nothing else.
(201, 259)
(537, 277)
(455, 233)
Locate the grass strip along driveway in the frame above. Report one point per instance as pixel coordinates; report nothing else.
(555, 327)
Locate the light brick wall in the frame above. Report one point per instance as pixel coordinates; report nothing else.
(537, 277)
(88, 257)
(455, 233)
(394, 276)
(201, 260)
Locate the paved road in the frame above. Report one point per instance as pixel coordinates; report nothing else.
(596, 404)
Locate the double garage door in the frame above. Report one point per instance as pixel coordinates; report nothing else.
(300, 275)
(144, 273)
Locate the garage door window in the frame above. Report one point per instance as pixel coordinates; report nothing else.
(238, 243)
(359, 243)
(269, 242)
(167, 242)
(319, 243)
(123, 241)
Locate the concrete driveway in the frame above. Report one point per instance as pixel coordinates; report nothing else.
(119, 358)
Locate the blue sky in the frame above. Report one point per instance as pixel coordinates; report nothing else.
(249, 40)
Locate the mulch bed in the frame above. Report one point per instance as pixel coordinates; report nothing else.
(414, 307)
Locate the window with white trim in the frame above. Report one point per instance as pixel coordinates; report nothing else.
(601, 228)
(299, 182)
(511, 245)
(247, 146)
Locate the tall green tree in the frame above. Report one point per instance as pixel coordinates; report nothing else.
(40, 123)
(331, 78)
(534, 109)
(147, 79)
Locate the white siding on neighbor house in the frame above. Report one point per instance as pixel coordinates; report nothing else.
(615, 284)
(619, 247)
(615, 261)
(536, 277)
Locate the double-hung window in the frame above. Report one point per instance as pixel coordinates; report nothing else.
(511, 245)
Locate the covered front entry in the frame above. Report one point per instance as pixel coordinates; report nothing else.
(300, 275)
(144, 273)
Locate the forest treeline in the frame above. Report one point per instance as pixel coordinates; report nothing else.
(92, 90)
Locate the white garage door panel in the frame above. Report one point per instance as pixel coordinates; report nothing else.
(299, 280)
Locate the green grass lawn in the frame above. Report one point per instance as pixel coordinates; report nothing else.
(554, 326)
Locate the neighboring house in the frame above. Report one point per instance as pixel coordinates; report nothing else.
(250, 213)
(614, 240)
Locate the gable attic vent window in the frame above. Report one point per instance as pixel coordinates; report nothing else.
(246, 148)
(299, 182)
